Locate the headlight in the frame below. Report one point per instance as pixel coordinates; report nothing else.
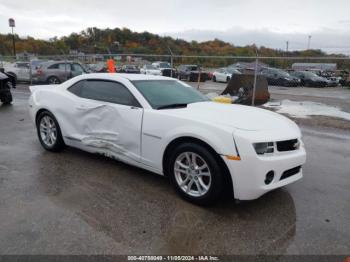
(264, 148)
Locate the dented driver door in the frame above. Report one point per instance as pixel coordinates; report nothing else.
(109, 119)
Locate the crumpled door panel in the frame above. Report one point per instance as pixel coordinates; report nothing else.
(115, 129)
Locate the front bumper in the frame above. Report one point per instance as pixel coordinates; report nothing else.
(249, 173)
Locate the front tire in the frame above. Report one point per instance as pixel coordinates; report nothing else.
(195, 173)
(7, 98)
(49, 132)
(214, 79)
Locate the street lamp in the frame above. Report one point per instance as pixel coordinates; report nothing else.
(12, 25)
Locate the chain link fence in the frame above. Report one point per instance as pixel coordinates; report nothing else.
(207, 73)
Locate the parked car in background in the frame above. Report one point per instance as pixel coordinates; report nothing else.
(7, 82)
(165, 68)
(150, 70)
(191, 73)
(225, 74)
(21, 70)
(333, 80)
(165, 126)
(344, 76)
(211, 74)
(129, 69)
(97, 67)
(310, 79)
(279, 77)
(57, 72)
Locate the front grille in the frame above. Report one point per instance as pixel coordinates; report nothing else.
(288, 145)
(290, 172)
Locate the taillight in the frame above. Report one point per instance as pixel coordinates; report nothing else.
(39, 72)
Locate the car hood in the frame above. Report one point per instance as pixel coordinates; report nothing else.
(235, 116)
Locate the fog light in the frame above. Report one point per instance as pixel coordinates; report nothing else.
(269, 177)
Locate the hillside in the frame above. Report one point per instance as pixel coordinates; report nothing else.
(94, 40)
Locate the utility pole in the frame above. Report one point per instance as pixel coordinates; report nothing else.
(171, 61)
(255, 76)
(12, 25)
(287, 46)
(309, 42)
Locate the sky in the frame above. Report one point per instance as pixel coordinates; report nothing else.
(241, 22)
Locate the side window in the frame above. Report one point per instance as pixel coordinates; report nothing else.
(22, 65)
(107, 91)
(77, 68)
(54, 66)
(64, 67)
(76, 88)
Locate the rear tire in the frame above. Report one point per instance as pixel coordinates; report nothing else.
(49, 132)
(53, 80)
(7, 98)
(195, 174)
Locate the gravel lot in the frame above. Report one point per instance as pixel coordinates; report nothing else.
(78, 203)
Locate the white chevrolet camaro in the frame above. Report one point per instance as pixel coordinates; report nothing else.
(167, 127)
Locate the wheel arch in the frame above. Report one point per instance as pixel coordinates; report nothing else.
(39, 112)
(13, 74)
(189, 139)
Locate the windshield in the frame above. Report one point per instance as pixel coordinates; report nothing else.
(282, 73)
(130, 67)
(311, 75)
(164, 65)
(233, 71)
(150, 67)
(160, 93)
(192, 68)
(279, 73)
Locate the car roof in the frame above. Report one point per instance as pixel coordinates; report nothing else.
(117, 76)
(58, 62)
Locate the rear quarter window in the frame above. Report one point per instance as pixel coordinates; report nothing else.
(76, 88)
(54, 66)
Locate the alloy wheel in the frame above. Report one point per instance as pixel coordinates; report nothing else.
(48, 131)
(192, 174)
(53, 81)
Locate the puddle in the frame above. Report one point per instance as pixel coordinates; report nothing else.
(305, 109)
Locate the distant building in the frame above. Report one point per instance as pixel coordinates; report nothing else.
(25, 56)
(314, 67)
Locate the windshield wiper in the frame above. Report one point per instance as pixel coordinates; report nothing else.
(172, 106)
